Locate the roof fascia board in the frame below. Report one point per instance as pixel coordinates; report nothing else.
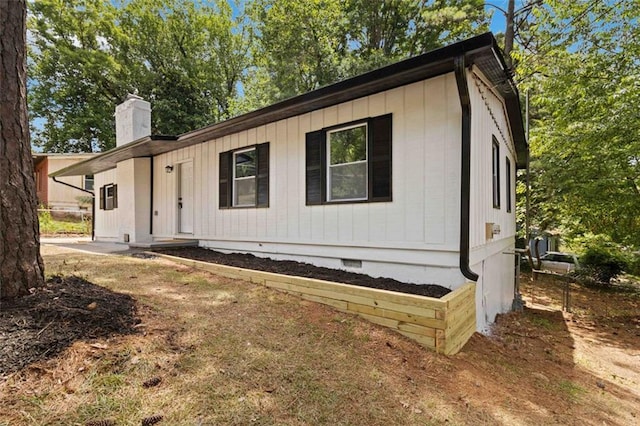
(108, 160)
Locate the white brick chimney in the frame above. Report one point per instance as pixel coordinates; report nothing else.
(133, 119)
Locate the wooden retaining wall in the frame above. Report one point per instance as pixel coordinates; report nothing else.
(443, 325)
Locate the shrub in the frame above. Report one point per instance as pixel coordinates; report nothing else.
(633, 264)
(602, 264)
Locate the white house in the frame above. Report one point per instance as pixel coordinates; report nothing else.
(407, 171)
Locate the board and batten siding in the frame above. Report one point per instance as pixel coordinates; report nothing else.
(107, 225)
(418, 229)
(494, 289)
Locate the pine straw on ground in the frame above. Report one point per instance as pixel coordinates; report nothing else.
(66, 309)
(228, 352)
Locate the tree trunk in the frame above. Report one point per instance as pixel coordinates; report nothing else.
(21, 265)
(509, 34)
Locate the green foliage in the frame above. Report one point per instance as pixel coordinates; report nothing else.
(601, 260)
(633, 264)
(86, 55)
(74, 79)
(301, 45)
(63, 223)
(582, 68)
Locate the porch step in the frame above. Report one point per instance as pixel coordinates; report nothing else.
(165, 244)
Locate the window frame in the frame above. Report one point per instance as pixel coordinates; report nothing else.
(379, 162)
(235, 179)
(495, 172)
(88, 178)
(109, 202)
(509, 199)
(329, 166)
(227, 173)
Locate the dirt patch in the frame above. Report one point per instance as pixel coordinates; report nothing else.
(306, 270)
(66, 309)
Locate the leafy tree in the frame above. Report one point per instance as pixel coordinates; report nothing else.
(583, 70)
(186, 59)
(74, 78)
(21, 265)
(301, 45)
(382, 32)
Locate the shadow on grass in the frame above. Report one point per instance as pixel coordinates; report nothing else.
(44, 323)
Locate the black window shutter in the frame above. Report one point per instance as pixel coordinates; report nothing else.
(224, 187)
(102, 198)
(315, 167)
(115, 196)
(262, 175)
(380, 158)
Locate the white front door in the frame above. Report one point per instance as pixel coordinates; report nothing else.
(185, 198)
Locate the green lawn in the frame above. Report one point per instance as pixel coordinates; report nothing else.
(63, 224)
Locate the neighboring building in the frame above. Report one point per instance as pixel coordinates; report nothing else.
(407, 172)
(55, 195)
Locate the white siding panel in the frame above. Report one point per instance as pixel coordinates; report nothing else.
(276, 174)
(292, 157)
(331, 222)
(423, 213)
(377, 220)
(395, 212)
(107, 225)
(489, 119)
(317, 212)
(61, 196)
(360, 108)
(305, 213)
(435, 134)
(378, 104)
(495, 288)
(415, 143)
(198, 196)
(452, 170)
(360, 228)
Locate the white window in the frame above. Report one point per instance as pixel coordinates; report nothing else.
(244, 178)
(109, 197)
(347, 163)
(88, 182)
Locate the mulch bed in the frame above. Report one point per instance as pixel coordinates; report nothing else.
(286, 267)
(44, 323)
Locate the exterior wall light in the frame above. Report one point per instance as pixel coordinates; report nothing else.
(168, 169)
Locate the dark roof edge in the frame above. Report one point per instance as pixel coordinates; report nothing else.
(111, 153)
(444, 53)
(417, 68)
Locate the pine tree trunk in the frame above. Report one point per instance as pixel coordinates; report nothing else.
(21, 265)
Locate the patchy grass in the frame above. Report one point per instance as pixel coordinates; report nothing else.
(63, 225)
(232, 353)
(572, 390)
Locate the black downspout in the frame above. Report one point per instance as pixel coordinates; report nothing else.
(93, 204)
(465, 181)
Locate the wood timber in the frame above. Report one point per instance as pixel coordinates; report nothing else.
(443, 325)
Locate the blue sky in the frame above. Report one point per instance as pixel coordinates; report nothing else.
(498, 22)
